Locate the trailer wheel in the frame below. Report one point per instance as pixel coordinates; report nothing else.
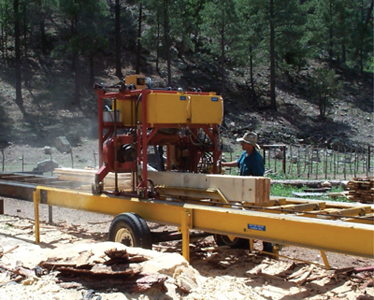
(224, 240)
(131, 230)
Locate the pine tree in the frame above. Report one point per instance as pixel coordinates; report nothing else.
(83, 17)
(220, 29)
(278, 29)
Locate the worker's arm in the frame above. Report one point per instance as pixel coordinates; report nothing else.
(230, 164)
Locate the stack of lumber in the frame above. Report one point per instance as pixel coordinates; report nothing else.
(361, 190)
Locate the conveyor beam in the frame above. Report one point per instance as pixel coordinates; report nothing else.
(323, 234)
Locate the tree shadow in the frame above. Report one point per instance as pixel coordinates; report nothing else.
(5, 123)
(320, 130)
(356, 90)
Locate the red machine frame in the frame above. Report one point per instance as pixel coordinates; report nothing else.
(147, 134)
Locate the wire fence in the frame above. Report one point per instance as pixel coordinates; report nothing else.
(292, 161)
(319, 163)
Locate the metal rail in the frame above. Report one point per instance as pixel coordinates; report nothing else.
(326, 234)
(346, 228)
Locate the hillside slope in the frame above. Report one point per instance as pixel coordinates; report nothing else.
(50, 112)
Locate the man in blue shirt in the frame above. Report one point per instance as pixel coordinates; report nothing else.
(250, 163)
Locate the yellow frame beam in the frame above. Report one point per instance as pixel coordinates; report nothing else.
(326, 235)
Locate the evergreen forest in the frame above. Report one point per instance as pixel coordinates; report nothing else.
(219, 44)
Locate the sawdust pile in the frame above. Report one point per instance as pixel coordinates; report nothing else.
(64, 266)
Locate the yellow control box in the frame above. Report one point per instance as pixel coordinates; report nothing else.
(206, 109)
(178, 108)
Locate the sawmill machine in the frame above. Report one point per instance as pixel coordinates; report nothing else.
(180, 127)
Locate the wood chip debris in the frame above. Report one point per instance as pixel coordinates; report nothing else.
(20, 273)
(116, 264)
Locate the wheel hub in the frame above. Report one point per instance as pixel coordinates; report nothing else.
(124, 236)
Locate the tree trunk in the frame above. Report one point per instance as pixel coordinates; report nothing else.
(26, 73)
(158, 42)
(331, 45)
(331, 36)
(139, 36)
(368, 18)
(223, 75)
(92, 70)
(19, 99)
(307, 183)
(43, 37)
(3, 42)
(254, 96)
(273, 102)
(118, 39)
(167, 40)
(344, 53)
(75, 63)
(77, 80)
(4, 34)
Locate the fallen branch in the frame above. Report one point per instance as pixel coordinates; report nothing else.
(11, 249)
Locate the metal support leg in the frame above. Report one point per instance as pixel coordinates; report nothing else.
(251, 245)
(50, 214)
(36, 199)
(325, 261)
(276, 249)
(186, 224)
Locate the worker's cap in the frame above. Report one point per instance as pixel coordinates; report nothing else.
(249, 138)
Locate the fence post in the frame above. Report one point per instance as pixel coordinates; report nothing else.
(2, 152)
(309, 162)
(317, 165)
(298, 161)
(363, 161)
(325, 165)
(368, 163)
(345, 162)
(355, 164)
(335, 166)
(284, 160)
(291, 162)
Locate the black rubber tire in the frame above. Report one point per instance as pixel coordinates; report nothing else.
(131, 230)
(238, 243)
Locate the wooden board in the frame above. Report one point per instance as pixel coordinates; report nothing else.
(361, 190)
(234, 188)
(88, 176)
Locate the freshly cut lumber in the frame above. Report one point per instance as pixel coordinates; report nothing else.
(234, 188)
(88, 176)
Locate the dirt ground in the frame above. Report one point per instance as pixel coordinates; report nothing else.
(220, 272)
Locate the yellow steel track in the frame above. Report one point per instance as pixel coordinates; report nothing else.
(327, 226)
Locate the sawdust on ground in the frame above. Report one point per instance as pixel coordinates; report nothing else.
(214, 272)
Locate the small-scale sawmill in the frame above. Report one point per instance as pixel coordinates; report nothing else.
(162, 148)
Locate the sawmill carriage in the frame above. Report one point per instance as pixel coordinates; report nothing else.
(181, 127)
